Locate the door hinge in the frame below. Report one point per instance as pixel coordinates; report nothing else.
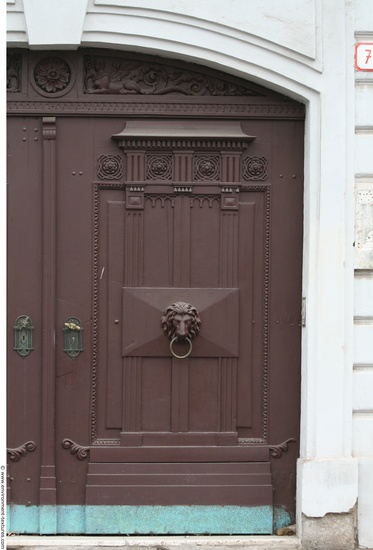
(303, 313)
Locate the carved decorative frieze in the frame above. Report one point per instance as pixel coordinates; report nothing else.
(16, 454)
(110, 167)
(52, 74)
(158, 167)
(204, 199)
(14, 73)
(126, 79)
(120, 108)
(206, 168)
(163, 199)
(80, 452)
(180, 190)
(255, 168)
(106, 442)
(225, 110)
(114, 75)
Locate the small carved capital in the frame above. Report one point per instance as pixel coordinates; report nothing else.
(49, 127)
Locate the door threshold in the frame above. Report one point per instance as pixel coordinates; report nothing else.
(185, 542)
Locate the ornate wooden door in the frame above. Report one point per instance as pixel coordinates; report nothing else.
(172, 245)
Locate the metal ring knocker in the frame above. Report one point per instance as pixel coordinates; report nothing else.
(184, 340)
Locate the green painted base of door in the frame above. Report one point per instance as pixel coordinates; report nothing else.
(160, 520)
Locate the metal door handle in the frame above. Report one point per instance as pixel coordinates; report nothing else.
(175, 339)
(73, 326)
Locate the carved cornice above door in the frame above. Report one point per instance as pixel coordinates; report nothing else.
(155, 134)
(65, 82)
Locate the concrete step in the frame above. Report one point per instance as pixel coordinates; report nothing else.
(234, 542)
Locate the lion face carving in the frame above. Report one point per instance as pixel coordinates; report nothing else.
(181, 320)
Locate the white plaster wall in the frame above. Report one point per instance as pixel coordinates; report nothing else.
(362, 443)
(280, 23)
(16, 23)
(307, 53)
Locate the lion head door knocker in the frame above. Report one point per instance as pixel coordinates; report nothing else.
(181, 323)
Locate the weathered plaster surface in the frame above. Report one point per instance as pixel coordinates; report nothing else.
(328, 486)
(364, 222)
(332, 532)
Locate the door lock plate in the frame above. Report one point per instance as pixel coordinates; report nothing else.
(73, 337)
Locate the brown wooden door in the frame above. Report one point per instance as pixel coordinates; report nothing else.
(186, 232)
(127, 216)
(185, 226)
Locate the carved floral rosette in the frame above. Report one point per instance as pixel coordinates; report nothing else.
(53, 76)
(255, 168)
(206, 168)
(110, 167)
(159, 167)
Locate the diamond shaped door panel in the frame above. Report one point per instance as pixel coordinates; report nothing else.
(144, 307)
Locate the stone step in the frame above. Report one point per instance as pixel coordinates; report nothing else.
(264, 542)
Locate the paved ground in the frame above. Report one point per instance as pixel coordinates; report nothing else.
(153, 543)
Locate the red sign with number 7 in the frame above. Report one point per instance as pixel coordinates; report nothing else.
(364, 56)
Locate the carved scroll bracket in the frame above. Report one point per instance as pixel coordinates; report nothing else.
(16, 454)
(278, 450)
(78, 450)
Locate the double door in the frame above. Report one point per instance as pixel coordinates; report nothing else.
(172, 279)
